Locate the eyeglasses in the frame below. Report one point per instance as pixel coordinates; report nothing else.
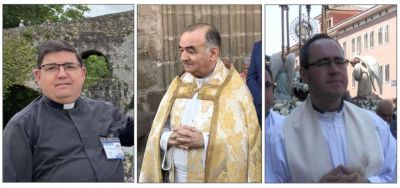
(325, 63)
(53, 68)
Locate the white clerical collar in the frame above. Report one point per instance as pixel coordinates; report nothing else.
(200, 81)
(60, 105)
(68, 106)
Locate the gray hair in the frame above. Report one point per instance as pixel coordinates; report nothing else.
(213, 38)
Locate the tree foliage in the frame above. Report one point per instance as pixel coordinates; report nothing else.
(18, 62)
(16, 100)
(96, 69)
(38, 14)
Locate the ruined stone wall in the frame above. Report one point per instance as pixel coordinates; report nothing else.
(159, 28)
(110, 35)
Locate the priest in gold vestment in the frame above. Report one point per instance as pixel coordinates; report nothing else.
(206, 127)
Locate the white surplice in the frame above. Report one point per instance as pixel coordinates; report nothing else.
(333, 129)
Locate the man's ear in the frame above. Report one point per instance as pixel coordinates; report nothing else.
(83, 73)
(36, 74)
(214, 52)
(303, 75)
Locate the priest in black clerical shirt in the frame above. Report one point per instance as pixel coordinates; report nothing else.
(61, 136)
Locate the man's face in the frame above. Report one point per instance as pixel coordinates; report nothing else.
(195, 57)
(386, 112)
(62, 86)
(386, 115)
(268, 92)
(326, 81)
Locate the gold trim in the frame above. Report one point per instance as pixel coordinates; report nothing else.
(206, 92)
(187, 90)
(173, 97)
(213, 127)
(209, 92)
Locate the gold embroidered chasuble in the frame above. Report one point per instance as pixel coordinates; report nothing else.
(227, 113)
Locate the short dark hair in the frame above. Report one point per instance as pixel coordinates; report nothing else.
(53, 46)
(213, 38)
(304, 52)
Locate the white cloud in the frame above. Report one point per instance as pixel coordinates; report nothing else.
(98, 10)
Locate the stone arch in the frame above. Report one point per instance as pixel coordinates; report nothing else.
(88, 53)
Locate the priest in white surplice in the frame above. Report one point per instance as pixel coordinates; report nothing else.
(327, 139)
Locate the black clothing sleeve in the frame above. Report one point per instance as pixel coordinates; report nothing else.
(17, 152)
(126, 136)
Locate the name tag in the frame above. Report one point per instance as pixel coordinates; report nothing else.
(112, 147)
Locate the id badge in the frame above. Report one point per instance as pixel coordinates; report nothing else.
(112, 147)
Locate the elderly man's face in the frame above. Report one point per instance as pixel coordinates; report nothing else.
(327, 74)
(65, 84)
(386, 114)
(195, 57)
(385, 111)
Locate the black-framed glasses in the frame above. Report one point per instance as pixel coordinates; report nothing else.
(325, 63)
(53, 68)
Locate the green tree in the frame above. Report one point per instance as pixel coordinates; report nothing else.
(96, 69)
(16, 100)
(18, 62)
(38, 14)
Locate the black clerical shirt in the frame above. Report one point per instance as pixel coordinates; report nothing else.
(45, 142)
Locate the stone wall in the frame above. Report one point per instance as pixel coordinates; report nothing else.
(110, 35)
(159, 28)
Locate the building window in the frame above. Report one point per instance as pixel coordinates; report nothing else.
(344, 48)
(329, 23)
(381, 72)
(380, 36)
(387, 76)
(371, 39)
(359, 44)
(353, 45)
(386, 33)
(366, 41)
